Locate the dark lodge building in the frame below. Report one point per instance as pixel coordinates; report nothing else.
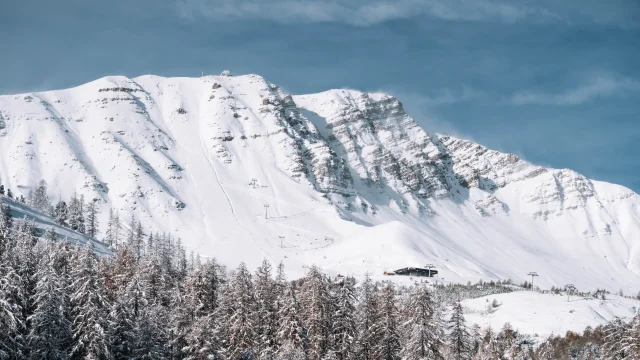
(412, 271)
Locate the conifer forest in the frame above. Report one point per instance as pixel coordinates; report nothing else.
(149, 299)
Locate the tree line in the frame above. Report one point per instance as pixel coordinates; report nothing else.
(150, 300)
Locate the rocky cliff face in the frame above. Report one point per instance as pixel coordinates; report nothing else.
(201, 156)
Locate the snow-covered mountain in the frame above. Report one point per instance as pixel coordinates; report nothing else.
(351, 181)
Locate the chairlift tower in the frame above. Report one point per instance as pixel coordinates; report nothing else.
(570, 289)
(533, 274)
(429, 267)
(266, 207)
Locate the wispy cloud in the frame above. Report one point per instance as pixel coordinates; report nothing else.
(359, 12)
(442, 97)
(624, 13)
(599, 86)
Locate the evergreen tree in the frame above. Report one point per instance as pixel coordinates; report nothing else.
(458, 335)
(50, 330)
(316, 311)
(243, 308)
(180, 321)
(368, 320)
(40, 199)
(148, 337)
(132, 242)
(1, 189)
(114, 228)
(490, 349)
(92, 219)
(90, 308)
(616, 333)
(139, 239)
(24, 259)
(9, 194)
(211, 277)
(267, 313)
(76, 214)
(12, 322)
(291, 335)
(633, 338)
(30, 200)
(422, 335)
(389, 347)
(345, 332)
(61, 214)
(6, 223)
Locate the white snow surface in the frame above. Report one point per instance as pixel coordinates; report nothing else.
(353, 184)
(544, 314)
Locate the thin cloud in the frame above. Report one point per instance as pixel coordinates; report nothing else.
(596, 87)
(360, 12)
(438, 98)
(619, 13)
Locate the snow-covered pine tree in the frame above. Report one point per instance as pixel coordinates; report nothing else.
(180, 319)
(92, 219)
(131, 238)
(545, 351)
(114, 229)
(475, 339)
(1, 189)
(30, 200)
(90, 307)
(616, 332)
(9, 193)
(266, 316)
(211, 276)
(389, 347)
(76, 213)
(24, 259)
(122, 322)
(368, 320)
(6, 223)
(40, 197)
(490, 348)
(12, 322)
(60, 214)
(201, 342)
(316, 311)
(290, 336)
(459, 337)
(50, 330)
(422, 335)
(123, 269)
(344, 320)
(180, 260)
(633, 339)
(139, 239)
(149, 339)
(522, 348)
(243, 310)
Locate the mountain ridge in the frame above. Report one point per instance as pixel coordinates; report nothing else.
(181, 154)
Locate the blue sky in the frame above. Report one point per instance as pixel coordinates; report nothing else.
(557, 82)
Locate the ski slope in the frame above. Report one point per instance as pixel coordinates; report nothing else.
(541, 315)
(351, 181)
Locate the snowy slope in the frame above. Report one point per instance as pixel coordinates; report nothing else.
(43, 222)
(352, 182)
(546, 314)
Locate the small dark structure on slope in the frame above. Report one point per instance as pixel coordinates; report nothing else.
(413, 271)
